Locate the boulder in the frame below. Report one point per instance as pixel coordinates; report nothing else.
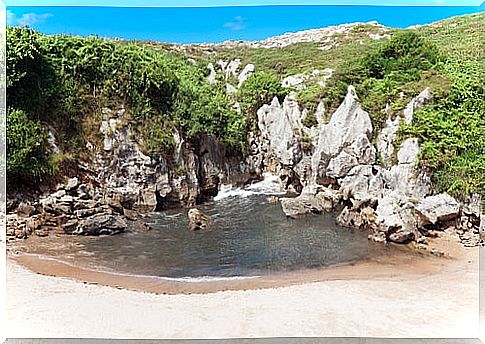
(314, 199)
(72, 184)
(101, 224)
(394, 217)
(438, 208)
(25, 209)
(198, 220)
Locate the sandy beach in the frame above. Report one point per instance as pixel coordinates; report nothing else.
(438, 302)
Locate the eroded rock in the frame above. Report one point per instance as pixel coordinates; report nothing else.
(198, 220)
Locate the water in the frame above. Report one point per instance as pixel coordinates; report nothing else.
(249, 237)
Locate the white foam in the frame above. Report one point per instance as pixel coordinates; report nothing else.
(203, 279)
(270, 185)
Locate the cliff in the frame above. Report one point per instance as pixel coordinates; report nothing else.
(381, 126)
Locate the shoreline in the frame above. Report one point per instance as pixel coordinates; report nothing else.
(400, 263)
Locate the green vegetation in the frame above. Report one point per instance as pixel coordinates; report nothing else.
(260, 88)
(26, 147)
(65, 81)
(452, 129)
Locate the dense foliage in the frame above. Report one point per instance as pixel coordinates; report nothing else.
(60, 80)
(27, 154)
(452, 132)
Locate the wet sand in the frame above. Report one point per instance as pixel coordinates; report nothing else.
(58, 257)
(406, 296)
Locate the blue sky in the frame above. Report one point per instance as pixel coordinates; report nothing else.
(215, 24)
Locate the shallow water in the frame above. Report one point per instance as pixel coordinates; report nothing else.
(249, 237)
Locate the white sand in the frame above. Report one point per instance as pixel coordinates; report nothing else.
(443, 304)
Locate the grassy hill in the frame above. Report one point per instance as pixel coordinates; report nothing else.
(63, 82)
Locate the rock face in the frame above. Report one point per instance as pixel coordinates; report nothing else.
(339, 171)
(134, 180)
(438, 208)
(198, 220)
(349, 128)
(280, 126)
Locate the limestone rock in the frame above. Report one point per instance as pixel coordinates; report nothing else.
(212, 74)
(101, 224)
(72, 184)
(246, 72)
(346, 125)
(281, 126)
(314, 199)
(422, 99)
(367, 179)
(438, 208)
(339, 166)
(198, 220)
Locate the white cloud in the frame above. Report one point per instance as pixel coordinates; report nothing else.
(236, 24)
(27, 19)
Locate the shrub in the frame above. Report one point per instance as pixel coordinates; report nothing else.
(260, 88)
(27, 153)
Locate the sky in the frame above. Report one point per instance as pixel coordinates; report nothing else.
(216, 24)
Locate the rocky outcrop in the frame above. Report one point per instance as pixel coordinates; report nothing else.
(349, 129)
(438, 208)
(386, 137)
(198, 220)
(281, 126)
(136, 181)
(392, 201)
(314, 199)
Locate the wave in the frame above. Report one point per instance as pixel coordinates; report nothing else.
(270, 185)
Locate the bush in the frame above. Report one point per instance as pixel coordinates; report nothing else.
(27, 153)
(260, 88)
(452, 133)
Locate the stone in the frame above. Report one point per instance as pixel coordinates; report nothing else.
(347, 124)
(385, 139)
(363, 150)
(131, 214)
(230, 89)
(281, 126)
(246, 72)
(70, 226)
(438, 208)
(212, 78)
(58, 194)
(101, 224)
(408, 151)
(368, 179)
(198, 220)
(25, 209)
(425, 97)
(314, 199)
(72, 184)
(339, 166)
